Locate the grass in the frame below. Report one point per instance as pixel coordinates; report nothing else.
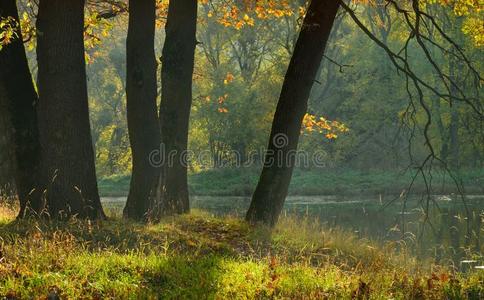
(116, 185)
(242, 182)
(198, 256)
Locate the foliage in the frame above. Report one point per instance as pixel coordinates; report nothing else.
(8, 27)
(311, 124)
(472, 11)
(243, 53)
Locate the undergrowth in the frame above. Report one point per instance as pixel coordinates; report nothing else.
(198, 256)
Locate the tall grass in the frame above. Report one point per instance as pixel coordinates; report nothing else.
(198, 256)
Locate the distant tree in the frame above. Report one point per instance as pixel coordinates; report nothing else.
(68, 170)
(176, 98)
(21, 100)
(455, 74)
(141, 91)
(271, 191)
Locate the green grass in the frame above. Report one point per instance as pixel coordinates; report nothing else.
(198, 256)
(116, 185)
(242, 182)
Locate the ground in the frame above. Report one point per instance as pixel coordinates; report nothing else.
(198, 256)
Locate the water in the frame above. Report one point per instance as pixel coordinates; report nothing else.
(451, 232)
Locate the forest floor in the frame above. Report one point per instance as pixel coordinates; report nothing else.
(312, 182)
(198, 256)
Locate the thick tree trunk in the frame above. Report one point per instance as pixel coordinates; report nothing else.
(68, 169)
(271, 191)
(21, 99)
(176, 79)
(141, 89)
(7, 157)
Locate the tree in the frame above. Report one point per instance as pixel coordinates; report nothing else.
(455, 74)
(21, 99)
(178, 58)
(141, 90)
(68, 171)
(271, 191)
(7, 158)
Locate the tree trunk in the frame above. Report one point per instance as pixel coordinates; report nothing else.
(176, 78)
(454, 117)
(141, 91)
(441, 129)
(7, 158)
(271, 191)
(68, 169)
(21, 99)
(455, 73)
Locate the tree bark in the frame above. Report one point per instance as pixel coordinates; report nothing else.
(176, 78)
(68, 170)
(21, 99)
(271, 191)
(7, 158)
(141, 91)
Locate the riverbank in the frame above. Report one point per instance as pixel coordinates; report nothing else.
(198, 256)
(242, 182)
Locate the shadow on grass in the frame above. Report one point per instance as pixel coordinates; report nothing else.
(179, 258)
(183, 234)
